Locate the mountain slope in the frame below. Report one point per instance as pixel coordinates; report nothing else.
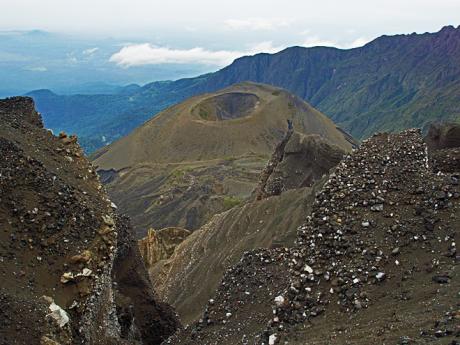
(71, 272)
(376, 261)
(272, 222)
(391, 83)
(204, 155)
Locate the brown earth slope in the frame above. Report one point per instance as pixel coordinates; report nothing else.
(376, 262)
(70, 270)
(204, 155)
(188, 279)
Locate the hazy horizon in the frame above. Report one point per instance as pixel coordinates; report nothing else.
(120, 42)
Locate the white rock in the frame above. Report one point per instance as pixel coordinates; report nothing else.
(308, 269)
(67, 277)
(380, 276)
(279, 300)
(272, 339)
(86, 272)
(108, 220)
(59, 314)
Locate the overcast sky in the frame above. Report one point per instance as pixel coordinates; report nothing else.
(215, 32)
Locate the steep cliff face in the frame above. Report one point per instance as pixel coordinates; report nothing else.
(141, 315)
(443, 136)
(298, 161)
(160, 244)
(64, 249)
(443, 141)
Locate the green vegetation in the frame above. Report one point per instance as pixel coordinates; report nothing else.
(177, 176)
(204, 114)
(229, 158)
(178, 173)
(231, 201)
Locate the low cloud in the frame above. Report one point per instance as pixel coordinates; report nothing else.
(317, 42)
(148, 54)
(36, 69)
(71, 58)
(257, 23)
(90, 51)
(359, 42)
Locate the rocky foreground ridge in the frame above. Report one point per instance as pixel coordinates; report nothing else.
(70, 270)
(376, 262)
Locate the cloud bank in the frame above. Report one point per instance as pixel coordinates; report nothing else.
(36, 69)
(148, 54)
(318, 42)
(90, 51)
(133, 55)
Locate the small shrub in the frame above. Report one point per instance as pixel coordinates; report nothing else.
(231, 201)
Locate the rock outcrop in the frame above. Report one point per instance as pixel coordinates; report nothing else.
(160, 244)
(71, 272)
(443, 136)
(443, 141)
(298, 161)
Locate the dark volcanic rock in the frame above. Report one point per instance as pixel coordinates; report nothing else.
(298, 161)
(443, 141)
(443, 136)
(64, 251)
(134, 296)
(16, 109)
(354, 268)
